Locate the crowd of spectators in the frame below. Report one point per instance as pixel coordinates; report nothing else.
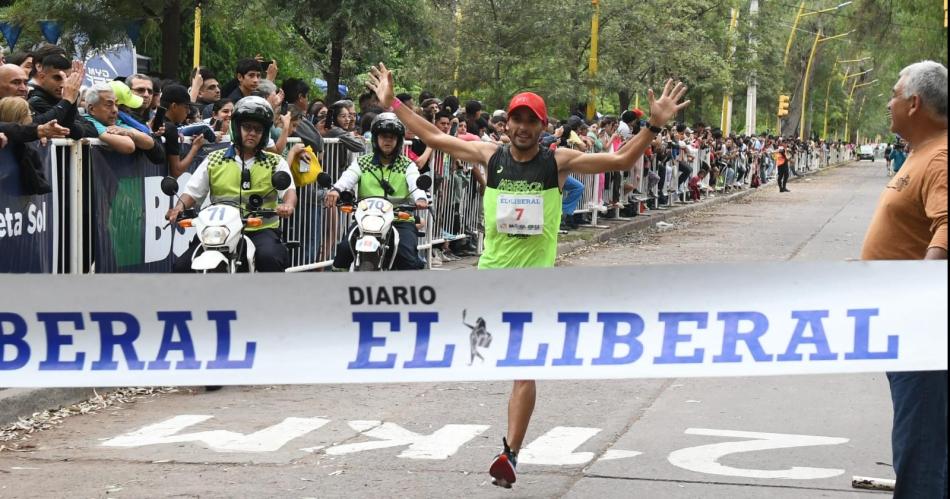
(41, 97)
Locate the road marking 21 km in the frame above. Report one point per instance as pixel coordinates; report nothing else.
(705, 458)
(556, 447)
(269, 439)
(442, 444)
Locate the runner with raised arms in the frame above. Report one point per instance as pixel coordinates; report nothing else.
(522, 202)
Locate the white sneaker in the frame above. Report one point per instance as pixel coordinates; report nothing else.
(436, 258)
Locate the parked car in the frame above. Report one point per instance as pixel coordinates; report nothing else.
(866, 152)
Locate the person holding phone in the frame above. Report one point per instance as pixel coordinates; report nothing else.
(173, 111)
(220, 120)
(248, 74)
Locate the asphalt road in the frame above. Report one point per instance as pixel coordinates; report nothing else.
(677, 438)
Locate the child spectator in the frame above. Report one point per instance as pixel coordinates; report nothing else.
(695, 185)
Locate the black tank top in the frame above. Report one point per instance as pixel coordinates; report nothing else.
(539, 172)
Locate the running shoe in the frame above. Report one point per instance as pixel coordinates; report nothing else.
(502, 469)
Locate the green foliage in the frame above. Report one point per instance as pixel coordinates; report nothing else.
(96, 23)
(491, 49)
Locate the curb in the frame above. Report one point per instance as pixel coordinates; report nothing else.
(646, 221)
(642, 222)
(24, 402)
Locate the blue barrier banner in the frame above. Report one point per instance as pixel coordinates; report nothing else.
(131, 234)
(127, 201)
(762, 319)
(106, 65)
(27, 223)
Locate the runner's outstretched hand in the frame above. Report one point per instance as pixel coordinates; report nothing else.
(381, 83)
(662, 110)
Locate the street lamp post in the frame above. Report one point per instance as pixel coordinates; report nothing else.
(846, 76)
(592, 65)
(824, 131)
(811, 58)
(196, 60)
(824, 128)
(857, 126)
(458, 48)
(726, 121)
(798, 17)
(847, 120)
(752, 91)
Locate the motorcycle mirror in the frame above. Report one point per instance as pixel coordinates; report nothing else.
(169, 186)
(424, 182)
(346, 197)
(255, 201)
(280, 180)
(323, 180)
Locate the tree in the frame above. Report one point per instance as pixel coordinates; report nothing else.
(346, 36)
(686, 40)
(491, 49)
(91, 24)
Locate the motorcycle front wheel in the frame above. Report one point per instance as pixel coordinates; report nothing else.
(367, 266)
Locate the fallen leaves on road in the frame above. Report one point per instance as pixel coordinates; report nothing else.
(13, 436)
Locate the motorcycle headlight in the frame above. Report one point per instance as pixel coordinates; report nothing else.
(215, 236)
(372, 224)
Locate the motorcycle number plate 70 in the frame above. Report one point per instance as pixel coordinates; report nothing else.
(367, 245)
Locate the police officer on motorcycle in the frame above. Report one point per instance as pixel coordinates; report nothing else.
(388, 173)
(239, 172)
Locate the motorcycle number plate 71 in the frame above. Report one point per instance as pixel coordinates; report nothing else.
(367, 245)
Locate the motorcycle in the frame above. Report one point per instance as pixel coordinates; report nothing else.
(220, 227)
(374, 241)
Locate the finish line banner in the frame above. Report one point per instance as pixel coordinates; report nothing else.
(564, 323)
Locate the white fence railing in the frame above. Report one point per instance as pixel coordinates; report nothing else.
(456, 207)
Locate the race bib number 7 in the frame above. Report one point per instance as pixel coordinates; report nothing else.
(521, 214)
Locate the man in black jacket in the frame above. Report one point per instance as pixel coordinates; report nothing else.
(13, 84)
(54, 92)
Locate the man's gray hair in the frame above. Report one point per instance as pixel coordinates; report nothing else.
(265, 89)
(92, 94)
(137, 76)
(927, 80)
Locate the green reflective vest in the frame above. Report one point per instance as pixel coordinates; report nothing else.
(394, 173)
(224, 174)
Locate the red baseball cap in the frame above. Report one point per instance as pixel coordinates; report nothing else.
(532, 101)
(638, 112)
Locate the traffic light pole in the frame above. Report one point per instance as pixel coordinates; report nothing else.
(752, 90)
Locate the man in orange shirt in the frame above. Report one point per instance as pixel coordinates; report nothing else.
(910, 223)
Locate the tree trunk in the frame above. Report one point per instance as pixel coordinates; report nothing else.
(624, 96)
(796, 108)
(171, 39)
(696, 107)
(575, 92)
(336, 63)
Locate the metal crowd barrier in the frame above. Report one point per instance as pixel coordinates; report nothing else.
(456, 200)
(315, 227)
(455, 210)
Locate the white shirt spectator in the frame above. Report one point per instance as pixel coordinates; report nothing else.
(624, 130)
